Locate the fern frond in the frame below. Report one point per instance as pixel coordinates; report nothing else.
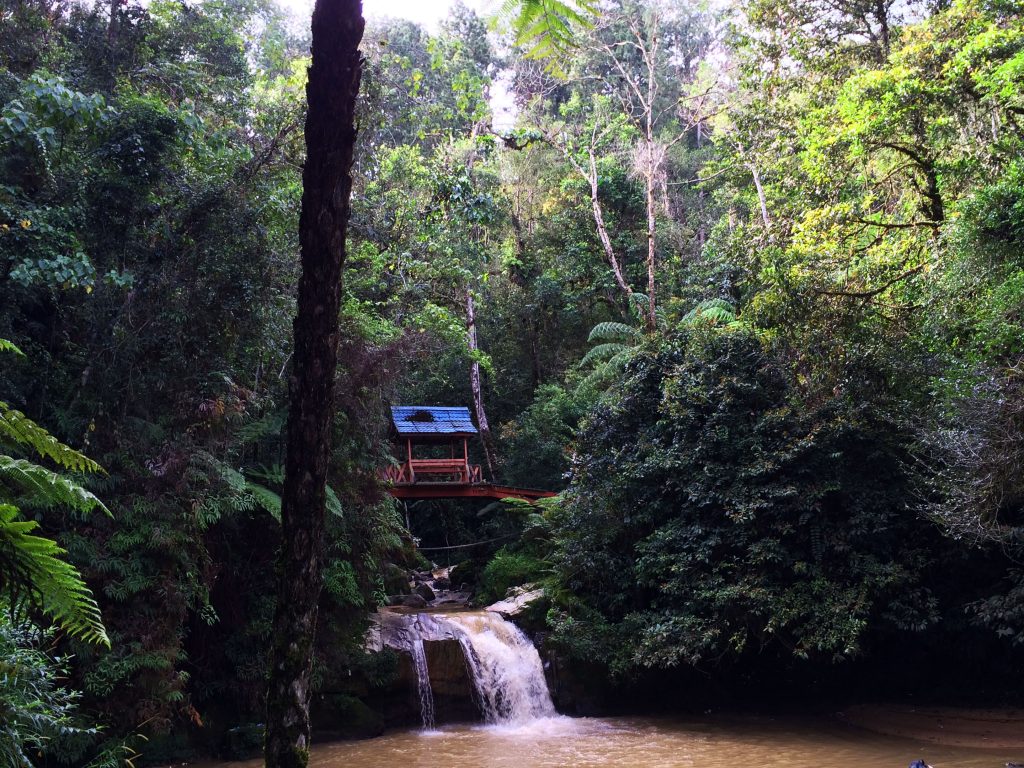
(270, 425)
(42, 487)
(618, 363)
(265, 498)
(17, 429)
(597, 379)
(6, 346)
(602, 353)
(274, 474)
(271, 501)
(36, 577)
(333, 503)
(611, 331)
(712, 311)
(547, 28)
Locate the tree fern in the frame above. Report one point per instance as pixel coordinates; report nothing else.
(265, 498)
(602, 353)
(613, 332)
(31, 485)
(32, 573)
(712, 312)
(547, 28)
(36, 577)
(18, 429)
(614, 345)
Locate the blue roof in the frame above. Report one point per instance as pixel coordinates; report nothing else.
(432, 420)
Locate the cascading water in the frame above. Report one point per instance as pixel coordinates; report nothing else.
(419, 661)
(504, 666)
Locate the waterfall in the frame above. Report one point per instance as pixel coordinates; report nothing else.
(504, 666)
(419, 661)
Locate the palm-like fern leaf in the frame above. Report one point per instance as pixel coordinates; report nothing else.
(712, 312)
(271, 500)
(603, 374)
(603, 353)
(332, 502)
(38, 486)
(547, 27)
(613, 332)
(32, 575)
(6, 346)
(36, 577)
(18, 429)
(265, 497)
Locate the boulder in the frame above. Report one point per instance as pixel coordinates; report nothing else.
(424, 591)
(396, 580)
(339, 715)
(407, 601)
(518, 601)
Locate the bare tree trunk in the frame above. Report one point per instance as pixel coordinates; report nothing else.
(326, 185)
(490, 456)
(589, 174)
(652, 322)
(602, 229)
(652, 319)
(760, 195)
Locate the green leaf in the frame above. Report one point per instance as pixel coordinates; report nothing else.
(36, 578)
(615, 332)
(17, 428)
(603, 353)
(37, 486)
(6, 346)
(547, 28)
(265, 497)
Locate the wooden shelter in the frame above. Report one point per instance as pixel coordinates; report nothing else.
(443, 433)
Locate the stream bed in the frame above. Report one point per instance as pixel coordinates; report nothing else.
(633, 742)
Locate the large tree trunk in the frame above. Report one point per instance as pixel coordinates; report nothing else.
(326, 184)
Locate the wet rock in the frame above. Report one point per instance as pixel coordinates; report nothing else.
(442, 583)
(524, 606)
(424, 591)
(396, 580)
(407, 601)
(339, 715)
(449, 676)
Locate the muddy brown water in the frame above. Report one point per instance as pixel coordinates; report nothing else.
(632, 742)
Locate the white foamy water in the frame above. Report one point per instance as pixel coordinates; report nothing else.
(505, 668)
(419, 662)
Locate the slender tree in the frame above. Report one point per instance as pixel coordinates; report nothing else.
(326, 185)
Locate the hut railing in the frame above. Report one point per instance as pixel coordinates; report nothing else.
(455, 471)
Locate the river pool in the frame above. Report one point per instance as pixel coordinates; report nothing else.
(633, 742)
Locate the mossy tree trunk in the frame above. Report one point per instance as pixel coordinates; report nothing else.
(326, 185)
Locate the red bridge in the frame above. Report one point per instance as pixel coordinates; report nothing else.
(446, 473)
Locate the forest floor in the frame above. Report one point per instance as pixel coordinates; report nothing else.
(951, 726)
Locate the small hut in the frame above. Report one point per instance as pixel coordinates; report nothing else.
(441, 432)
